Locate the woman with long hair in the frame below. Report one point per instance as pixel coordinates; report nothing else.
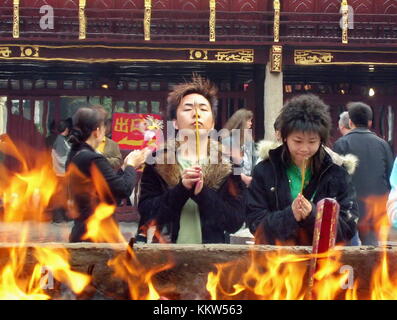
(239, 142)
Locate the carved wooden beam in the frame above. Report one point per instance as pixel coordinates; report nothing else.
(345, 21)
(82, 20)
(15, 24)
(276, 24)
(147, 18)
(276, 59)
(212, 20)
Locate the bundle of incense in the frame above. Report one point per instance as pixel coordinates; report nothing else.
(197, 137)
(303, 173)
(324, 236)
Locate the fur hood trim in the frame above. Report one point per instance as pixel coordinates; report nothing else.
(348, 161)
(214, 174)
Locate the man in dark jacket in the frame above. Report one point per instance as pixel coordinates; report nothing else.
(371, 177)
(188, 199)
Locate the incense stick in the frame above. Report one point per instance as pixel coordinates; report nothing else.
(197, 136)
(303, 173)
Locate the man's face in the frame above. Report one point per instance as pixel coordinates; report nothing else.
(186, 113)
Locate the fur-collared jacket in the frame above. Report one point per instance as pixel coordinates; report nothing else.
(162, 196)
(269, 212)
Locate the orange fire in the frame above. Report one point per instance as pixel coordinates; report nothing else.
(26, 269)
(283, 276)
(25, 195)
(101, 227)
(277, 276)
(383, 282)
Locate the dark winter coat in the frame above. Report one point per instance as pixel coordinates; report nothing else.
(375, 161)
(269, 212)
(86, 192)
(220, 203)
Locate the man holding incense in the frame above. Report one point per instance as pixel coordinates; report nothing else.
(190, 193)
(282, 197)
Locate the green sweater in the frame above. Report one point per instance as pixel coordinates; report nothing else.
(295, 179)
(189, 223)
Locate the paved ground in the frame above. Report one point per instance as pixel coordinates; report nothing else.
(59, 232)
(49, 232)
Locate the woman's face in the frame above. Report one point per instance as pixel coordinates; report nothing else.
(249, 123)
(186, 113)
(303, 145)
(100, 133)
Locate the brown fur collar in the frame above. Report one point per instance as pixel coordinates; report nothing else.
(214, 174)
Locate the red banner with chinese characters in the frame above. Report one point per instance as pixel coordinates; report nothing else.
(134, 131)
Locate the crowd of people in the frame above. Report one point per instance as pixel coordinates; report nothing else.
(200, 188)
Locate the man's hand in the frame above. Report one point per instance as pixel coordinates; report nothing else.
(191, 177)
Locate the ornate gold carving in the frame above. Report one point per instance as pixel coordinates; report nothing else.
(198, 54)
(5, 52)
(147, 19)
(246, 55)
(29, 51)
(276, 62)
(345, 21)
(276, 24)
(15, 20)
(309, 57)
(212, 20)
(82, 20)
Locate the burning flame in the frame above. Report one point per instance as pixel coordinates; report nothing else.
(101, 227)
(284, 276)
(25, 195)
(277, 276)
(383, 283)
(138, 277)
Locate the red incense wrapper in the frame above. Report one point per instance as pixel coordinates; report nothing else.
(325, 230)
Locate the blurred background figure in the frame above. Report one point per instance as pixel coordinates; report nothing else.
(50, 139)
(59, 153)
(109, 148)
(343, 123)
(371, 178)
(241, 145)
(392, 201)
(344, 128)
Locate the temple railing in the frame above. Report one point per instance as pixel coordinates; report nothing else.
(181, 26)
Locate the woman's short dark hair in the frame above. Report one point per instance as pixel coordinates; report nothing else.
(198, 85)
(85, 121)
(359, 113)
(306, 113)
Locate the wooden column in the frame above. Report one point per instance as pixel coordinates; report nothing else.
(212, 22)
(147, 19)
(273, 90)
(82, 20)
(15, 24)
(345, 21)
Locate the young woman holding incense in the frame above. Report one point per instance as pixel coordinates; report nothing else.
(91, 178)
(190, 193)
(282, 197)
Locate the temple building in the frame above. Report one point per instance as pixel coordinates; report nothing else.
(59, 55)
